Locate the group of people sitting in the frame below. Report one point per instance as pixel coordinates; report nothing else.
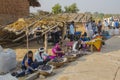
(31, 62)
(81, 43)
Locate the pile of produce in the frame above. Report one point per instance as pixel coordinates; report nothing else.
(57, 60)
(45, 67)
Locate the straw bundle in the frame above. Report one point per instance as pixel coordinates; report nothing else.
(16, 26)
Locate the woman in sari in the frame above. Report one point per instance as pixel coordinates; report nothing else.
(57, 51)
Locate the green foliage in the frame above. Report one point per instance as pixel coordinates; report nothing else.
(97, 15)
(71, 9)
(67, 9)
(56, 9)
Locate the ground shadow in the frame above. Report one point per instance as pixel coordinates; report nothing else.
(112, 45)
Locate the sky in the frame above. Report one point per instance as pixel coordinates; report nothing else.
(102, 6)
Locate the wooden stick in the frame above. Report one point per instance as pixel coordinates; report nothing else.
(46, 42)
(27, 41)
(49, 29)
(91, 47)
(64, 31)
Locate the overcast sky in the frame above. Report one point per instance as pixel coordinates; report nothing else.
(104, 6)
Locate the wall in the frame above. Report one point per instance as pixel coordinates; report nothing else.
(11, 10)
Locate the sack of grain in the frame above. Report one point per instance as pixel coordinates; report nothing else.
(7, 61)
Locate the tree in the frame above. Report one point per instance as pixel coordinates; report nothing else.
(67, 9)
(101, 15)
(71, 9)
(56, 9)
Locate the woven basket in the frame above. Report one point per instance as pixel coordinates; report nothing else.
(58, 64)
(71, 57)
(46, 72)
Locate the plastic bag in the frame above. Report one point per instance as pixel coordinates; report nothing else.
(7, 60)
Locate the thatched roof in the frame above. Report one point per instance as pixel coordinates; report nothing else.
(34, 3)
(46, 24)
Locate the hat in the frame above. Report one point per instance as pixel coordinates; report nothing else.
(41, 50)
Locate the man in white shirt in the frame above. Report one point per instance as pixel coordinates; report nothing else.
(41, 57)
(77, 46)
(95, 35)
(106, 25)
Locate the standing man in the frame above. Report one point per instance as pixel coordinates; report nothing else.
(99, 25)
(72, 31)
(116, 24)
(105, 25)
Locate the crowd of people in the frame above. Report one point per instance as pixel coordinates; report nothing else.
(93, 31)
(111, 25)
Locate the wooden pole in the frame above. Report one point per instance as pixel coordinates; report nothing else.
(92, 48)
(64, 31)
(45, 42)
(27, 41)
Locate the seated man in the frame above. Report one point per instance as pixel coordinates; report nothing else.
(77, 46)
(96, 34)
(41, 57)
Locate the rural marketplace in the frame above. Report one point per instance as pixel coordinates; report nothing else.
(59, 40)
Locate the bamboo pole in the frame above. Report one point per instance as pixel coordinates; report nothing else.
(64, 31)
(92, 48)
(46, 42)
(27, 41)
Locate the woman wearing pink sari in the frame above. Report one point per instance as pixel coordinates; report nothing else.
(57, 51)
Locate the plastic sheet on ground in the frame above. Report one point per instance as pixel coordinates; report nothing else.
(7, 77)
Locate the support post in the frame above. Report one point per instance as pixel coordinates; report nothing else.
(91, 47)
(46, 42)
(27, 41)
(64, 31)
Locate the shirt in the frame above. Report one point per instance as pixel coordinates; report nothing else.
(113, 24)
(106, 24)
(72, 31)
(89, 26)
(74, 46)
(40, 58)
(116, 24)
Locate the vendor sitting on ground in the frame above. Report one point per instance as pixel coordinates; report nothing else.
(28, 66)
(41, 57)
(95, 35)
(27, 63)
(77, 45)
(57, 51)
(84, 38)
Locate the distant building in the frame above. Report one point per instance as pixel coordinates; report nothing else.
(11, 10)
